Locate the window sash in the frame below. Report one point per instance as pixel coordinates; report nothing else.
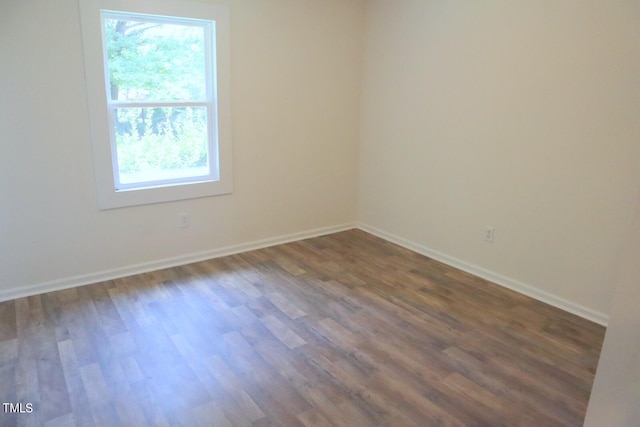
(212, 148)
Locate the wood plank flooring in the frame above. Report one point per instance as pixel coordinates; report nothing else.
(345, 329)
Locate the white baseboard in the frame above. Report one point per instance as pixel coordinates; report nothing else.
(86, 279)
(540, 295)
(101, 276)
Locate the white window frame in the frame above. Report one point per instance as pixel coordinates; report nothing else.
(109, 193)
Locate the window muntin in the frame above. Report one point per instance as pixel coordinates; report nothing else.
(160, 99)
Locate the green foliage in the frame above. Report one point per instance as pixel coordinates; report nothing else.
(155, 61)
(180, 141)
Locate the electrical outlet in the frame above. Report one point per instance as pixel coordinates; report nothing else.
(184, 220)
(488, 233)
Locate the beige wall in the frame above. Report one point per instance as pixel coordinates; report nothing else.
(615, 398)
(296, 69)
(522, 115)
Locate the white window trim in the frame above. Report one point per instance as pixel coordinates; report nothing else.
(107, 195)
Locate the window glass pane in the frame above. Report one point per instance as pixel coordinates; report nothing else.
(155, 61)
(155, 144)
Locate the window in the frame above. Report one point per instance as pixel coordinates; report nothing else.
(159, 101)
(158, 95)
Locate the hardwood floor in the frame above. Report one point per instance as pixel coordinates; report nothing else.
(345, 329)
